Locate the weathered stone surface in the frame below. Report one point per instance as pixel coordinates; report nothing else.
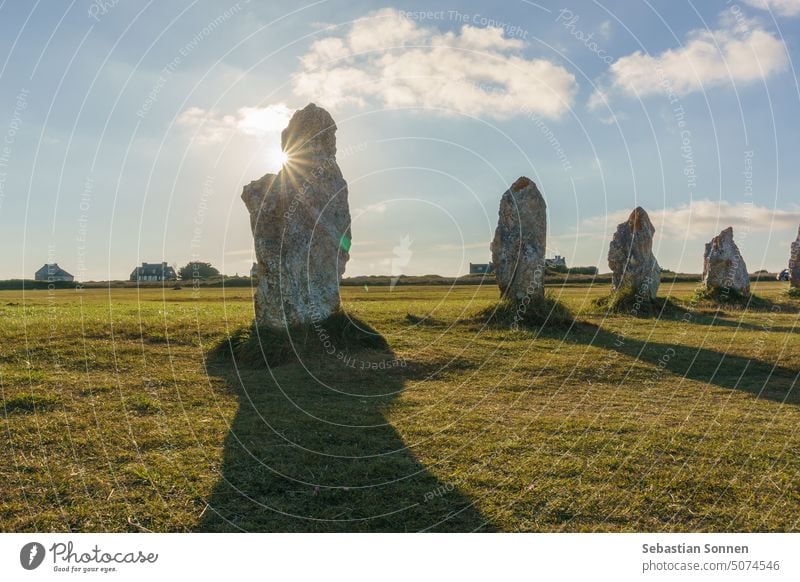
(300, 220)
(794, 263)
(723, 266)
(630, 256)
(518, 248)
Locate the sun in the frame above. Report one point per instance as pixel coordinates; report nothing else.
(276, 158)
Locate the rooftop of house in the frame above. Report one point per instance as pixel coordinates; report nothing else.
(53, 269)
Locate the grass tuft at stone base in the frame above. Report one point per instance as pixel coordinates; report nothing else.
(629, 303)
(730, 298)
(267, 347)
(547, 311)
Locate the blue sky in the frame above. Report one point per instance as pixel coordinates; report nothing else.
(129, 128)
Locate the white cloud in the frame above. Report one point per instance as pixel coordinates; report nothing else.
(703, 219)
(377, 208)
(262, 123)
(605, 29)
(739, 52)
(612, 118)
(324, 50)
(382, 29)
(780, 7)
(474, 38)
(484, 244)
(392, 61)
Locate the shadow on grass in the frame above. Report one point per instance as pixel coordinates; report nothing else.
(310, 449)
(718, 309)
(762, 379)
(731, 299)
(698, 310)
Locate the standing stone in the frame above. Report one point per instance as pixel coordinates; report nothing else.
(723, 265)
(518, 249)
(794, 264)
(630, 256)
(300, 220)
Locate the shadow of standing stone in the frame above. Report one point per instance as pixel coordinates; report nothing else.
(310, 448)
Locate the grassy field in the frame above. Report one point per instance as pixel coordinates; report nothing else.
(121, 412)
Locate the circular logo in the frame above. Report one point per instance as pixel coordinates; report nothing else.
(31, 555)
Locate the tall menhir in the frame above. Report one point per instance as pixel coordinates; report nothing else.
(300, 220)
(519, 245)
(634, 268)
(794, 264)
(724, 270)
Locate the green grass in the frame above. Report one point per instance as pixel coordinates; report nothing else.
(162, 410)
(142, 404)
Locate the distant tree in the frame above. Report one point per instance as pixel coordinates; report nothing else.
(582, 271)
(197, 270)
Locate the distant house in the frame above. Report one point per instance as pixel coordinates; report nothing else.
(481, 268)
(154, 272)
(52, 273)
(557, 262)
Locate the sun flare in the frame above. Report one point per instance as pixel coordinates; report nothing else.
(275, 158)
